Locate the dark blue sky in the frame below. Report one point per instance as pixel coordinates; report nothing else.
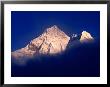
(80, 61)
(27, 25)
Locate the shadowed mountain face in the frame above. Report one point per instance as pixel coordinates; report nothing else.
(54, 53)
(82, 60)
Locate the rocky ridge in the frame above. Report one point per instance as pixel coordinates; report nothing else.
(52, 41)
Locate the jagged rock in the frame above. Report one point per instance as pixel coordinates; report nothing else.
(86, 37)
(52, 41)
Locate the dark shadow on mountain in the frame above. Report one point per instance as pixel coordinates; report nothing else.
(79, 60)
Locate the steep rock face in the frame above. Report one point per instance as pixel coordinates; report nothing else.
(52, 41)
(86, 37)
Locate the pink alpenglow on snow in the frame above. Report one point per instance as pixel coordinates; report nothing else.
(86, 37)
(52, 41)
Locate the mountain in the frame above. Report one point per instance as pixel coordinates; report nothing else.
(52, 41)
(86, 37)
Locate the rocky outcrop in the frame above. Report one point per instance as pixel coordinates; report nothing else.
(52, 41)
(86, 37)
